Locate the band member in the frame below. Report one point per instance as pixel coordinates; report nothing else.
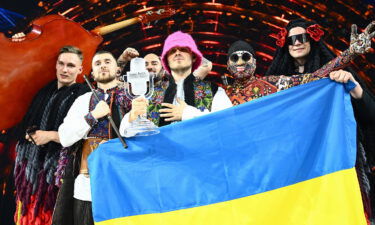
(305, 52)
(181, 95)
(86, 123)
(39, 149)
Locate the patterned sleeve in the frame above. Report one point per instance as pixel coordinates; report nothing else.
(284, 82)
(337, 63)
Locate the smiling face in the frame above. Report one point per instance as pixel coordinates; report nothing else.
(68, 66)
(153, 63)
(298, 50)
(104, 68)
(241, 64)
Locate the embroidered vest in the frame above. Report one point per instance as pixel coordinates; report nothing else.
(203, 96)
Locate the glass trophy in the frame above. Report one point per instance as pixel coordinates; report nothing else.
(140, 83)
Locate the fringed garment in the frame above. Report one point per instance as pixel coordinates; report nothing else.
(35, 170)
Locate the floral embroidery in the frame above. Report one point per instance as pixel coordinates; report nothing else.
(101, 128)
(246, 90)
(202, 92)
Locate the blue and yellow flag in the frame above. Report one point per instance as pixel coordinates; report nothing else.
(287, 158)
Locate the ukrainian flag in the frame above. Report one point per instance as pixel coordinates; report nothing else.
(284, 159)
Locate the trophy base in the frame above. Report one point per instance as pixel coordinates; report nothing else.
(143, 127)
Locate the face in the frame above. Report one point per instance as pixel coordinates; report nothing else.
(68, 66)
(298, 50)
(241, 64)
(180, 59)
(153, 64)
(104, 68)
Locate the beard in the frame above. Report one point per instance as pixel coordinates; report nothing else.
(247, 72)
(182, 69)
(105, 79)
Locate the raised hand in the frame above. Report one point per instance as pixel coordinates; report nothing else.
(128, 54)
(361, 43)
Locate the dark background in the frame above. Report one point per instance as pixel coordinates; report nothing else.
(213, 24)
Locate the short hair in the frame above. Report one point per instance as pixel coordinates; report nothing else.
(100, 52)
(71, 49)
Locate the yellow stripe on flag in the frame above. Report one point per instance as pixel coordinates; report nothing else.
(333, 199)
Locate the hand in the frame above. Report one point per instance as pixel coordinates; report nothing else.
(342, 76)
(18, 37)
(139, 107)
(173, 112)
(42, 137)
(101, 110)
(103, 141)
(128, 55)
(361, 43)
(202, 71)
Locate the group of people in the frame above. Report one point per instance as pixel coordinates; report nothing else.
(65, 122)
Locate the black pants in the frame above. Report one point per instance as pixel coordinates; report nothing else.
(82, 213)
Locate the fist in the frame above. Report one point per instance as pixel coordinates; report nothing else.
(341, 76)
(128, 54)
(101, 110)
(139, 107)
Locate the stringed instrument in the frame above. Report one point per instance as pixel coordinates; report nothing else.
(28, 65)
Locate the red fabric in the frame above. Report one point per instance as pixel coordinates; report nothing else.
(41, 218)
(281, 37)
(315, 32)
(1, 147)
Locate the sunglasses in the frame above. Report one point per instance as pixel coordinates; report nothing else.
(302, 38)
(244, 55)
(181, 49)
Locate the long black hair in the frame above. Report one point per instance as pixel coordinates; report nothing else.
(283, 64)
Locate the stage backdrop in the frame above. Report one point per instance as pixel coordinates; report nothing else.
(286, 159)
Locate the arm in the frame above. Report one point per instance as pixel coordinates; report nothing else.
(364, 108)
(42, 137)
(75, 127)
(203, 70)
(126, 56)
(359, 44)
(220, 101)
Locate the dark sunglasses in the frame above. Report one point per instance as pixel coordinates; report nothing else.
(181, 49)
(302, 38)
(246, 56)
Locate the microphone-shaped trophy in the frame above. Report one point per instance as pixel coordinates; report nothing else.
(140, 83)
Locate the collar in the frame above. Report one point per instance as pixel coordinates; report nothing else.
(108, 91)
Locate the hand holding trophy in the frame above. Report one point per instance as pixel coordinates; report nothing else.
(140, 83)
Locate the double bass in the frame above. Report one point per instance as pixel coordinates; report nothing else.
(28, 65)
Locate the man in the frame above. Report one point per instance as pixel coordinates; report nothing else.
(180, 96)
(153, 64)
(38, 149)
(86, 120)
(306, 54)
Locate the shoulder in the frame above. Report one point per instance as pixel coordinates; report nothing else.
(83, 98)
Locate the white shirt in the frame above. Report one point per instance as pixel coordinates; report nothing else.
(73, 129)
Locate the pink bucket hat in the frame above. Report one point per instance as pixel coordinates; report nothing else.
(180, 39)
